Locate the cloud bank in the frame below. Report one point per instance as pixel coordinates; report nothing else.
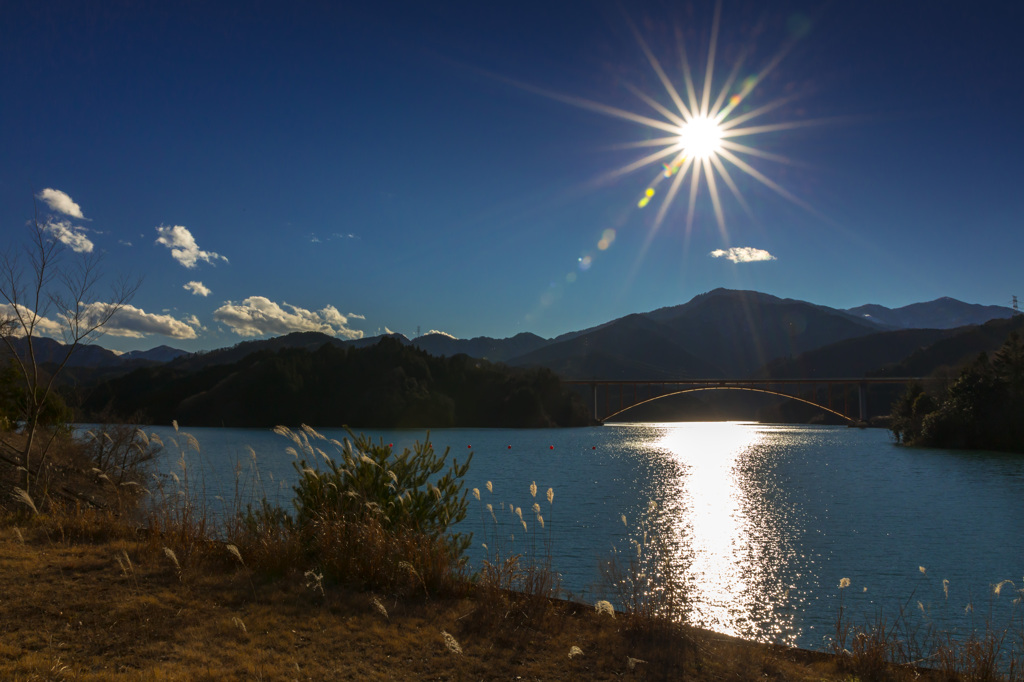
(197, 288)
(136, 323)
(129, 322)
(70, 235)
(60, 202)
(441, 333)
(183, 246)
(259, 316)
(742, 254)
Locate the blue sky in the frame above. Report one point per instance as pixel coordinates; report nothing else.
(363, 167)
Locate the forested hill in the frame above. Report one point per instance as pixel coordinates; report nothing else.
(385, 385)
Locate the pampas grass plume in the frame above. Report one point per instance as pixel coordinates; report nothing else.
(173, 557)
(235, 553)
(24, 497)
(379, 607)
(451, 643)
(999, 587)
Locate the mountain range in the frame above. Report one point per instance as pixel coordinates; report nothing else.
(719, 334)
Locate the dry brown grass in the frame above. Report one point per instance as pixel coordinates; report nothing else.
(118, 608)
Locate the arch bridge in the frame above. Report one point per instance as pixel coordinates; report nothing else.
(846, 398)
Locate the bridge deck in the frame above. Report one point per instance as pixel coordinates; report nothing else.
(788, 388)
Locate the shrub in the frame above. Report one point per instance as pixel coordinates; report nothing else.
(122, 452)
(379, 518)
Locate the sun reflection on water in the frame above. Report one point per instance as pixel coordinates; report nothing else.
(730, 544)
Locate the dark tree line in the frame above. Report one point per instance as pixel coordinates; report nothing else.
(982, 409)
(386, 385)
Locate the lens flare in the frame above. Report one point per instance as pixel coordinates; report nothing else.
(699, 133)
(703, 132)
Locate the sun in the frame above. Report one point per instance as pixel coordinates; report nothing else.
(701, 138)
(698, 143)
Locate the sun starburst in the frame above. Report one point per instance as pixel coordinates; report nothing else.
(702, 146)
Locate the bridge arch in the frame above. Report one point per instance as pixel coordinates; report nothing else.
(752, 389)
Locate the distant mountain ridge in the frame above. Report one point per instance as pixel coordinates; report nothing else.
(942, 313)
(495, 350)
(51, 351)
(157, 354)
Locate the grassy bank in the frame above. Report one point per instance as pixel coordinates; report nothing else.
(83, 605)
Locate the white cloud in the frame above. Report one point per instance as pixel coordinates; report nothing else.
(742, 254)
(354, 316)
(136, 323)
(60, 202)
(197, 288)
(43, 326)
(440, 333)
(129, 321)
(183, 246)
(316, 239)
(70, 235)
(259, 316)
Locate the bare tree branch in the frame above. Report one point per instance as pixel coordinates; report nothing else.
(45, 295)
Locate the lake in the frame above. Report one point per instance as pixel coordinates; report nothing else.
(761, 521)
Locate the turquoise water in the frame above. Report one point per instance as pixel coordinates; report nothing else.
(762, 521)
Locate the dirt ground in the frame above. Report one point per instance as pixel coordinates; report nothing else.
(120, 608)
